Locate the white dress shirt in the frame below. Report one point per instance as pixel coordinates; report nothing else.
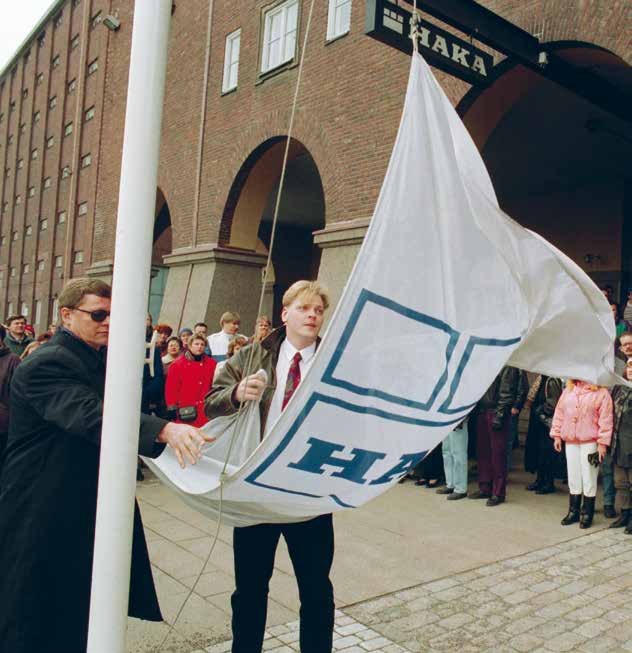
(286, 354)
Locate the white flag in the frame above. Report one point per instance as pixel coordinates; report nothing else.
(446, 291)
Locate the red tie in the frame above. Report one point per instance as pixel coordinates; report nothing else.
(293, 379)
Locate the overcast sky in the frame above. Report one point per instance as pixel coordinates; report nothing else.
(17, 19)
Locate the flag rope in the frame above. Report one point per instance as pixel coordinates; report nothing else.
(240, 413)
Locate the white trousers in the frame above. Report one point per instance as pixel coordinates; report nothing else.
(582, 476)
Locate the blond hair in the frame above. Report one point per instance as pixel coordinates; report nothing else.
(229, 316)
(570, 384)
(307, 289)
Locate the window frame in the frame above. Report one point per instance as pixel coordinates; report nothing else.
(268, 15)
(334, 5)
(227, 87)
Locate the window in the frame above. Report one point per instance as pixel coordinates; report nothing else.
(75, 42)
(59, 19)
(50, 141)
(40, 265)
(1, 116)
(12, 273)
(39, 79)
(3, 241)
(86, 160)
(10, 311)
(18, 200)
(23, 128)
(26, 268)
(56, 61)
(58, 261)
(41, 39)
(36, 117)
(68, 129)
(78, 257)
(93, 66)
(31, 191)
(29, 231)
(25, 93)
(12, 106)
(96, 19)
(279, 36)
(15, 236)
(34, 154)
(52, 103)
(55, 312)
(66, 172)
(61, 217)
(89, 114)
(25, 309)
(5, 207)
(72, 85)
(76, 3)
(82, 209)
(38, 311)
(47, 183)
(43, 224)
(10, 139)
(20, 164)
(27, 56)
(231, 61)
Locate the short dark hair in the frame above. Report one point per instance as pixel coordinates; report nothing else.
(13, 318)
(204, 324)
(3, 332)
(74, 291)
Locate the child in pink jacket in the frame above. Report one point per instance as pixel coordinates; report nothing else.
(583, 419)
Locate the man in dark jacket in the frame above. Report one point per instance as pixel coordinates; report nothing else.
(48, 488)
(508, 391)
(17, 340)
(8, 362)
(285, 355)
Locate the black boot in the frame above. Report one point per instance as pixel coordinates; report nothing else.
(574, 504)
(588, 512)
(623, 519)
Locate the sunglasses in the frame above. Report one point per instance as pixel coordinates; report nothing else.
(96, 316)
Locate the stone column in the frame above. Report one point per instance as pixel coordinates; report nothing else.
(205, 281)
(340, 243)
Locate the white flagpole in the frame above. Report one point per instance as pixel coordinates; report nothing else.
(134, 232)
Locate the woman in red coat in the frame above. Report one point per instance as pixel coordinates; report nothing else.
(189, 378)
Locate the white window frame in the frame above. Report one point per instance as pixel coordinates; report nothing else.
(281, 10)
(335, 9)
(38, 311)
(25, 309)
(231, 64)
(59, 261)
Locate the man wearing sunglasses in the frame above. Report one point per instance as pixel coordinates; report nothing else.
(48, 487)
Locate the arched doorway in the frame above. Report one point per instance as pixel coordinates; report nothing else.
(250, 211)
(559, 164)
(162, 246)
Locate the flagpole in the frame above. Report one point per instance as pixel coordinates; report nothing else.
(121, 417)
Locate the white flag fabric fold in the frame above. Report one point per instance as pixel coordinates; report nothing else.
(446, 290)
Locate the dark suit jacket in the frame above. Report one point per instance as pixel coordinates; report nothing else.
(48, 493)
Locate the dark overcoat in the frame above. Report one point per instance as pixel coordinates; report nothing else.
(48, 493)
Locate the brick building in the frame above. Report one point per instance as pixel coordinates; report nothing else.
(559, 161)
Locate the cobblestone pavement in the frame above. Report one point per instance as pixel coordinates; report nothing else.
(575, 596)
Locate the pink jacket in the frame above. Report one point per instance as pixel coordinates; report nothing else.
(583, 415)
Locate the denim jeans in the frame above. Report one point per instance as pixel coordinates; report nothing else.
(512, 436)
(455, 459)
(607, 478)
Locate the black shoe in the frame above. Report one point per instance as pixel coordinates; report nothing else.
(609, 512)
(435, 483)
(546, 489)
(588, 512)
(421, 481)
(455, 496)
(532, 487)
(139, 474)
(574, 504)
(495, 501)
(445, 490)
(628, 528)
(623, 520)
(479, 495)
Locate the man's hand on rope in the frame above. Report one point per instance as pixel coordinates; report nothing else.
(251, 388)
(185, 440)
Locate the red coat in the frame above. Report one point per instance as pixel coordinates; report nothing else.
(188, 381)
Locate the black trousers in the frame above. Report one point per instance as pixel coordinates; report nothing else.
(311, 548)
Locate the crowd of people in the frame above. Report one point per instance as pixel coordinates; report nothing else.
(576, 431)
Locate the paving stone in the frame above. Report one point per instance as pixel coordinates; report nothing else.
(565, 642)
(594, 627)
(455, 621)
(350, 629)
(375, 644)
(289, 638)
(525, 642)
(585, 614)
(523, 625)
(601, 644)
(439, 585)
(346, 642)
(222, 647)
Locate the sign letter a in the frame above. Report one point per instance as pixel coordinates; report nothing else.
(441, 46)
